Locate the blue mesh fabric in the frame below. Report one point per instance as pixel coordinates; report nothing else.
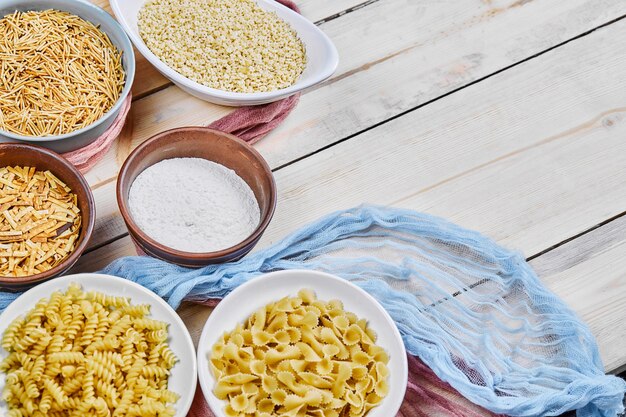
(473, 311)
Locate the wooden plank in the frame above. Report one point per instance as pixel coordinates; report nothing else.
(415, 53)
(314, 10)
(328, 113)
(515, 156)
(194, 316)
(148, 79)
(341, 108)
(521, 164)
(453, 46)
(568, 78)
(589, 273)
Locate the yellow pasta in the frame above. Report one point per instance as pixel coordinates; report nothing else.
(87, 354)
(300, 357)
(59, 73)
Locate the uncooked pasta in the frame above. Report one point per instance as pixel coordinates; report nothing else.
(40, 221)
(58, 73)
(87, 354)
(300, 356)
(229, 45)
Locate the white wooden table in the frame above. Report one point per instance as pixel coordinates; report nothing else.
(504, 116)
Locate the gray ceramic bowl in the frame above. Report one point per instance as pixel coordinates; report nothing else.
(85, 136)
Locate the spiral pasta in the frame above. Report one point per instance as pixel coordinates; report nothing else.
(300, 357)
(87, 354)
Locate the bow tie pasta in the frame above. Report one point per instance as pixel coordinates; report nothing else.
(300, 357)
(87, 354)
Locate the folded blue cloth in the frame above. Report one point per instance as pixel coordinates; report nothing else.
(473, 311)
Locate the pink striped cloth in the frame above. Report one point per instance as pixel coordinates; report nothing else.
(426, 396)
(254, 123)
(85, 158)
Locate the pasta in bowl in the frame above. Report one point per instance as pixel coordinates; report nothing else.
(306, 344)
(94, 345)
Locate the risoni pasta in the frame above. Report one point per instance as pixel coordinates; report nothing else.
(300, 357)
(87, 354)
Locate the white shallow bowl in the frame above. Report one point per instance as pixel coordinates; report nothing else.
(260, 291)
(182, 379)
(322, 57)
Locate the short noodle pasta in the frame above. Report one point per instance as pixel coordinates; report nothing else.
(300, 357)
(87, 354)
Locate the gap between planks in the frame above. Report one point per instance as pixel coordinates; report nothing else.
(426, 103)
(307, 131)
(113, 208)
(529, 201)
(299, 134)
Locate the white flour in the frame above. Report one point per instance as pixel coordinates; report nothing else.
(193, 205)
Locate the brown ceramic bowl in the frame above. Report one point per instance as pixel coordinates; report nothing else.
(216, 146)
(12, 154)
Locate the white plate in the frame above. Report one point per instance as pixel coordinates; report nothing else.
(260, 291)
(181, 380)
(322, 57)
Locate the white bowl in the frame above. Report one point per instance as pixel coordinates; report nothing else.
(182, 379)
(260, 291)
(322, 57)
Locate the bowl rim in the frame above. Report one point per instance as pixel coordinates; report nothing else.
(129, 78)
(161, 139)
(204, 373)
(90, 221)
(178, 78)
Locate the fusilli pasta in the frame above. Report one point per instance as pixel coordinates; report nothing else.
(87, 354)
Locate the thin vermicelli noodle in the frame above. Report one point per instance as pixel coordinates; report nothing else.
(58, 73)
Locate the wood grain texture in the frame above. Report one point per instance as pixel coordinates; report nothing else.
(445, 49)
(194, 316)
(407, 53)
(149, 80)
(589, 273)
(314, 10)
(372, 94)
(516, 156)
